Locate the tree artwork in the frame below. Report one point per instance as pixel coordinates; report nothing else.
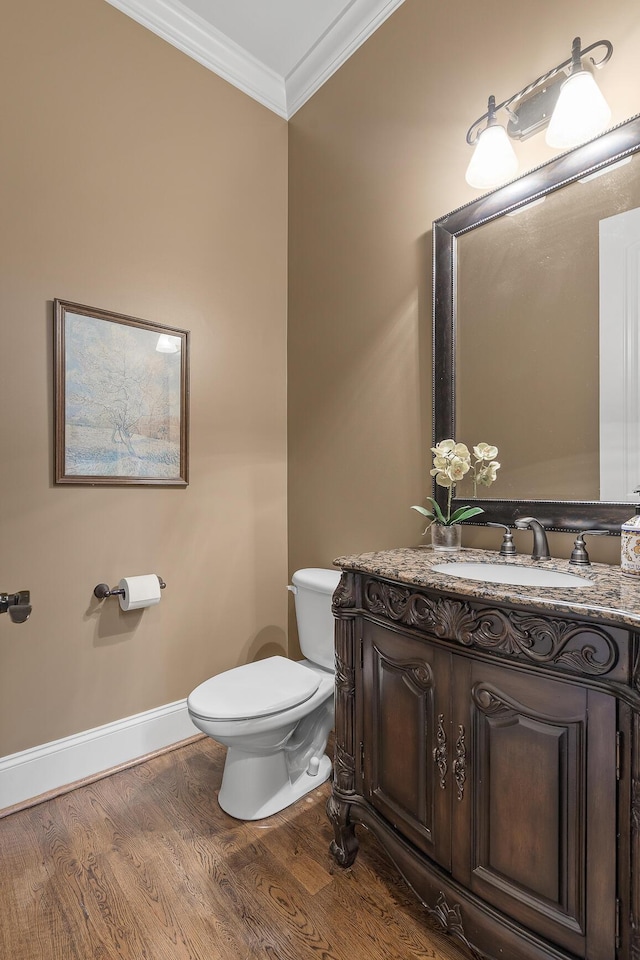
(123, 400)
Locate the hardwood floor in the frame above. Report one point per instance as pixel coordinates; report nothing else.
(143, 865)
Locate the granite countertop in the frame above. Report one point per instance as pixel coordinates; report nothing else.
(611, 595)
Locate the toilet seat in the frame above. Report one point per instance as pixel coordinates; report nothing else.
(254, 690)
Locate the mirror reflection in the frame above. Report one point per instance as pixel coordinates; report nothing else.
(620, 356)
(528, 331)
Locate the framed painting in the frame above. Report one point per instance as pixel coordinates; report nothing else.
(121, 399)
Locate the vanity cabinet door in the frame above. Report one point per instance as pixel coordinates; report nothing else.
(405, 698)
(535, 824)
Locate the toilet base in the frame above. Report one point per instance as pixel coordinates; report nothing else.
(254, 787)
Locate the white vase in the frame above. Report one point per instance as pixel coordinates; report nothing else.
(446, 538)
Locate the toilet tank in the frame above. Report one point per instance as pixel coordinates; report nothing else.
(314, 588)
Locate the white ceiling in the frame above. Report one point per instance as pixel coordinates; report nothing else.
(277, 51)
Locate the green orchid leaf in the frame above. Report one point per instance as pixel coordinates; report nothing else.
(438, 515)
(424, 512)
(465, 513)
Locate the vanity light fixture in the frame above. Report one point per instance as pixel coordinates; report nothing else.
(571, 107)
(494, 159)
(581, 112)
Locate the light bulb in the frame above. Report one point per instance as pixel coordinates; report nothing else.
(580, 113)
(494, 160)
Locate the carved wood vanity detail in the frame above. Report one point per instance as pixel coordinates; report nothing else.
(492, 745)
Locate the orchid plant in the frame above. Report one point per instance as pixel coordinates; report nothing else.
(451, 464)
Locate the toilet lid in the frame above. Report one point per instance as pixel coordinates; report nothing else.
(254, 690)
(318, 579)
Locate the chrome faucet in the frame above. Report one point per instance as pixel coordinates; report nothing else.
(540, 545)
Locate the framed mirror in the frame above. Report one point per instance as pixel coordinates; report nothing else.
(536, 335)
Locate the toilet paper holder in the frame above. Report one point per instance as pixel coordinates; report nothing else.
(103, 590)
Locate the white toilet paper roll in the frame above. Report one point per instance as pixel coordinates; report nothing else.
(139, 592)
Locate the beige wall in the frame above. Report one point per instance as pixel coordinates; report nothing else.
(376, 155)
(135, 180)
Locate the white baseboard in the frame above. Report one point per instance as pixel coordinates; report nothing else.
(53, 765)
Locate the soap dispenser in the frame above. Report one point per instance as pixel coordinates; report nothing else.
(630, 546)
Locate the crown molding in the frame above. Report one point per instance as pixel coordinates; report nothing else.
(194, 36)
(342, 40)
(190, 33)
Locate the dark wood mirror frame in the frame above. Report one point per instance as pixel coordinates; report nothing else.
(612, 146)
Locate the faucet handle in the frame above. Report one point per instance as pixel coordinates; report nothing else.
(579, 553)
(508, 547)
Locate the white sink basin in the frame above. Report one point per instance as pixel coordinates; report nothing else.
(511, 574)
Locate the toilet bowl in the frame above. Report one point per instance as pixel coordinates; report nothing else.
(275, 715)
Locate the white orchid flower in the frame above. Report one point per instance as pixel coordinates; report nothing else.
(457, 469)
(487, 474)
(444, 481)
(444, 448)
(484, 451)
(451, 463)
(462, 451)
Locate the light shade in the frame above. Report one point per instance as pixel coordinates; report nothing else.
(580, 113)
(493, 161)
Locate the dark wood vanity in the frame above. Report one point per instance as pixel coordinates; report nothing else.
(489, 736)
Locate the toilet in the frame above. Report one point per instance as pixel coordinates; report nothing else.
(275, 715)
